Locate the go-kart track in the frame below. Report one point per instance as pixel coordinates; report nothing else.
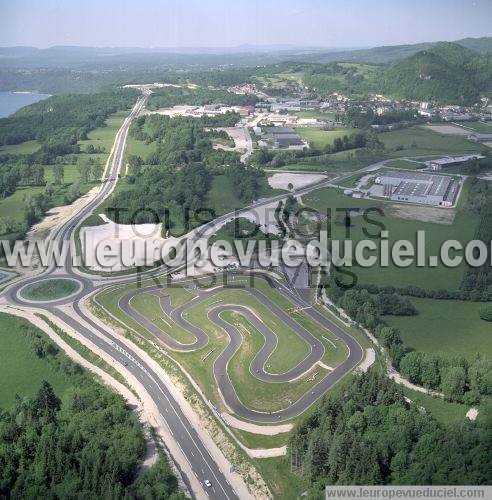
(175, 316)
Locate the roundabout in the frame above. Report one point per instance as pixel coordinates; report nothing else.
(50, 290)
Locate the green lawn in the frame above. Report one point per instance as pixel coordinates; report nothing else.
(418, 141)
(444, 411)
(222, 199)
(319, 138)
(50, 289)
(406, 164)
(446, 326)
(21, 370)
(23, 148)
(439, 277)
(480, 127)
(139, 148)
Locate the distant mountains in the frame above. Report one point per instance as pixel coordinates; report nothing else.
(392, 53)
(109, 58)
(446, 72)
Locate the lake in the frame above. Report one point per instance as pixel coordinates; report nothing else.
(10, 102)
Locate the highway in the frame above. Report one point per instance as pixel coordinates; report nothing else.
(200, 461)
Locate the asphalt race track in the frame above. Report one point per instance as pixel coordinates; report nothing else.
(259, 362)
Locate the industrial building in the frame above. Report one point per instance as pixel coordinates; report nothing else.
(450, 161)
(284, 137)
(416, 187)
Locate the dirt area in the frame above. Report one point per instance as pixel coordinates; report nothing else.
(265, 430)
(264, 216)
(368, 361)
(282, 180)
(59, 215)
(422, 213)
(448, 129)
(92, 236)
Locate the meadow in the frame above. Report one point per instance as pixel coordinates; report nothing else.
(417, 141)
(439, 277)
(447, 326)
(319, 138)
(21, 370)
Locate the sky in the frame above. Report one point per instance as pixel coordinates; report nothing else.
(230, 23)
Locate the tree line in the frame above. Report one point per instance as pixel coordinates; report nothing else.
(368, 434)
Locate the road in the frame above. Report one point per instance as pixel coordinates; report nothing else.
(198, 456)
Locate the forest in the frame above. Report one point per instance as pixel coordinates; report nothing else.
(197, 96)
(83, 443)
(60, 121)
(479, 279)
(368, 434)
(171, 183)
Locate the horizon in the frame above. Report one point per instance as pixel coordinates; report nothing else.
(319, 25)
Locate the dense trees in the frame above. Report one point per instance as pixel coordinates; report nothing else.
(84, 443)
(479, 279)
(368, 434)
(88, 445)
(245, 181)
(445, 72)
(59, 121)
(171, 96)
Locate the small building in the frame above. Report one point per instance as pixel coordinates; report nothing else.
(284, 137)
(448, 161)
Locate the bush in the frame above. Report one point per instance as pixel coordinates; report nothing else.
(486, 312)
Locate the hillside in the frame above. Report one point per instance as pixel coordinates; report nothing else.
(446, 72)
(390, 53)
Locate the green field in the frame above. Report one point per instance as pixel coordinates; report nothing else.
(406, 164)
(418, 141)
(319, 115)
(446, 326)
(13, 206)
(436, 278)
(222, 199)
(138, 148)
(480, 127)
(50, 289)
(21, 370)
(25, 148)
(319, 138)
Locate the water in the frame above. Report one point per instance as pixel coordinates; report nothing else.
(10, 102)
